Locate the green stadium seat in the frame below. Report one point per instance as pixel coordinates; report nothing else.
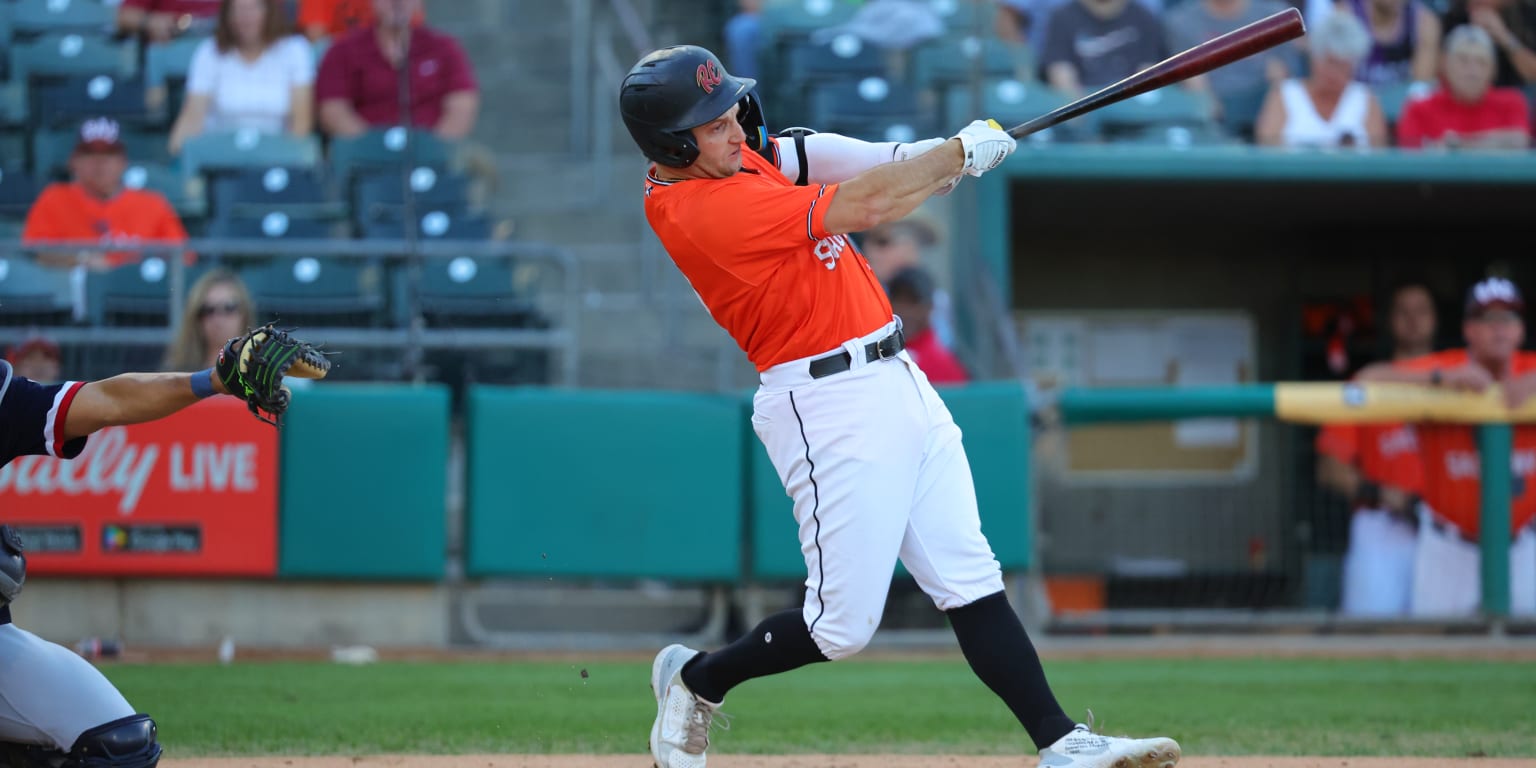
(165, 72)
(184, 194)
(68, 100)
(1011, 102)
(783, 19)
(465, 292)
(30, 18)
(297, 192)
(380, 194)
(33, 295)
(59, 55)
(391, 148)
(136, 294)
(1165, 107)
(311, 291)
(273, 225)
(211, 153)
(952, 62)
(873, 109)
(433, 224)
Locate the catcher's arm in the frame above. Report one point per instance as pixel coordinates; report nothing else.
(131, 398)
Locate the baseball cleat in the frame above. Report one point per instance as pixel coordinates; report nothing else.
(1082, 748)
(681, 732)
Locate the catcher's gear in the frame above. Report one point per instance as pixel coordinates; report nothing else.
(252, 368)
(671, 91)
(13, 565)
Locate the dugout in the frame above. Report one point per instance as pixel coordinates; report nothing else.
(1267, 236)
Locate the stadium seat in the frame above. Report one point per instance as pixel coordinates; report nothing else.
(298, 192)
(212, 153)
(33, 295)
(844, 56)
(381, 194)
(465, 292)
(874, 109)
(1011, 102)
(61, 55)
(311, 291)
(433, 224)
(17, 191)
(186, 195)
(31, 18)
(787, 18)
(950, 62)
(1165, 107)
(136, 294)
(273, 225)
(390, 148)
(6, 9)
(68, 100)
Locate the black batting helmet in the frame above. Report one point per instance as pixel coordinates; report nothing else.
(671, 91)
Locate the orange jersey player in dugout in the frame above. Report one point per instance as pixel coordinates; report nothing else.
(861, 441)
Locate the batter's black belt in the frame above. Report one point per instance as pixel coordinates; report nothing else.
(884, 349)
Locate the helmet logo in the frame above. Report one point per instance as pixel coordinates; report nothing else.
(708, 76)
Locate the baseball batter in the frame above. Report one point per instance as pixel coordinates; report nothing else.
(1376, 467)
(861, 442)
(56, 709)
(1447, 577)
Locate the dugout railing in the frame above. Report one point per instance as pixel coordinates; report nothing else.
(378, 303)
(1197, 509)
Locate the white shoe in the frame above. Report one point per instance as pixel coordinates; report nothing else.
(1082, 748)
(681, 732)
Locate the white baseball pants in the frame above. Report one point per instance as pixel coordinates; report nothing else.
(1378, 567)
(48, 694)
(1448, 578)
(876, 469)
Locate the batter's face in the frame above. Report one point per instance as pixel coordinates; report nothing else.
(1493, 337)
(720, 144)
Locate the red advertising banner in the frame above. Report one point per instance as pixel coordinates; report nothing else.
(190, 495)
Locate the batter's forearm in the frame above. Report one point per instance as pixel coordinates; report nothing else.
(891, 191)
(130, 398)
(832, 158)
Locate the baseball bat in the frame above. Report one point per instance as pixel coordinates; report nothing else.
(1240, 43)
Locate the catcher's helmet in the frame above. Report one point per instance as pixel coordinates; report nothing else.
(673, 90)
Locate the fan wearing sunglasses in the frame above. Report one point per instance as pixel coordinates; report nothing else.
(218, 308)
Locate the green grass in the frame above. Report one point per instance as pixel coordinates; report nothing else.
(1213, 706)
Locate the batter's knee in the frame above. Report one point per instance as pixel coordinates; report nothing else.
(837, 642)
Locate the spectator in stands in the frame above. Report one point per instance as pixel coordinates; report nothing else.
(160, 20)
(37, 358)
(1239, 87)
(911, 292)
(1092, 43)
(892, 24)
(1405, 41)
(218, 309)
(1512, 25)
(894, 246)
(358, 87)
(1025, 21)
(743, 38)
(1329, 108)
(253, 74)
(1376, 469)
(1447, 577)
(330, 19)
(94, 206)
(1467, 111)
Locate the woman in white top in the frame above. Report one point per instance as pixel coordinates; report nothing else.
(254, 73)
(1329, 108)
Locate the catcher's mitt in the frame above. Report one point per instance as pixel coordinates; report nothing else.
(252, 368)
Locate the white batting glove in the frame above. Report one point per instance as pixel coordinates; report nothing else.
(986, 146)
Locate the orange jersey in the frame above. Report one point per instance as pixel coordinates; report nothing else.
(1450, 460)
(338, 17)
(66, 211)
(757, 252)
(1385, 454)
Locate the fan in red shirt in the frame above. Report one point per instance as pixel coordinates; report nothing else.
(1376, 468)
(1467, 111)
(358, 85)
(911, 293)
(1447, 578)
(161, 20)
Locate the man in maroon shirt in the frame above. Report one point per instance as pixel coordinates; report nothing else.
(1466, 111)
(358, 86)
(911, 294)
(161, 20)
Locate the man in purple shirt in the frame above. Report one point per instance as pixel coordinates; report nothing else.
(358, 86)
